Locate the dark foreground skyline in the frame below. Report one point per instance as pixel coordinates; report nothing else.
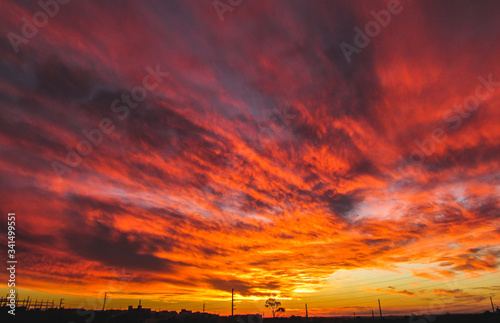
(139, 314)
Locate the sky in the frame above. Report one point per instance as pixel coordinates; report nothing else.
(332, 153)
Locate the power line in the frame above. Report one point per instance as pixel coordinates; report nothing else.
(379, 282)
(390, 297)
(358, 284)
(362, 297)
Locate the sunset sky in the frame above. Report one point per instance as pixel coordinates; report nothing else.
(170, 151)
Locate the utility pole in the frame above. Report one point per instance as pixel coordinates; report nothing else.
(232, 302)
(373, 314)
(492, 308)
(307, 315)
(203, 307)
(60, 303)
(379, 308)
(104, 304)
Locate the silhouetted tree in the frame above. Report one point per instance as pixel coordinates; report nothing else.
(275, 306)
(280, 310)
